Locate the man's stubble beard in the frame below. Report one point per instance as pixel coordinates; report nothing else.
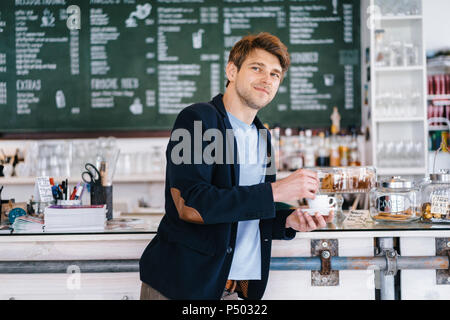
(247, 100)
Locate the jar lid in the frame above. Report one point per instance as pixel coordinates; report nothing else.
(442, 176)
(397, 183)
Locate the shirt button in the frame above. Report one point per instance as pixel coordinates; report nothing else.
(229, 250)
(266, 240)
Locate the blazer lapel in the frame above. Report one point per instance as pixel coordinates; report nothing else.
(230, 139)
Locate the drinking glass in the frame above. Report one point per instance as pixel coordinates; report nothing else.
(381, 153)
(390, 154)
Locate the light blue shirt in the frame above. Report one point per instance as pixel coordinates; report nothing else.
(246, 264)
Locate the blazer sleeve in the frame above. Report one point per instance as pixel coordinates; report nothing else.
(196, 199)
(279, 230)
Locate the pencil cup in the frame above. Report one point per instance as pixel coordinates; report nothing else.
(102, 195)
(109, 202)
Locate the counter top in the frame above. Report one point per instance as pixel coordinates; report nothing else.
(147, 225)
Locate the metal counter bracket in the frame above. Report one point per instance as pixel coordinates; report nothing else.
(443, 249)
(325, 249)
(391, 262)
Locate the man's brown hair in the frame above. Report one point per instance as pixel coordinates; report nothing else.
(262, 40)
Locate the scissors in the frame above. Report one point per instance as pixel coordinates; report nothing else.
(93, 174)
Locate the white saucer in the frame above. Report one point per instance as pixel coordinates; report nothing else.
(312, 212)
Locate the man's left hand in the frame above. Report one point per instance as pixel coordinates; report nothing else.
(302, 221)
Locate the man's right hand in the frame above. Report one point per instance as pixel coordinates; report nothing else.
(302, 183)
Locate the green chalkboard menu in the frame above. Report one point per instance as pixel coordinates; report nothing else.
(134, 64)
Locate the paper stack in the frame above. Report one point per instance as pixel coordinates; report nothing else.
(75, 218)
(28, 224)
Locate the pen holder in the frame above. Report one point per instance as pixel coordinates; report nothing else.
(102, 195)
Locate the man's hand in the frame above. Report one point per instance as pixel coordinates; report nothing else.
(302, 183)
(302, 221)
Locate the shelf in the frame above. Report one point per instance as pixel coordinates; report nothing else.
(438, 96)
(392, 69)
(404, 119)
(400, 171)
(438, 128)
(156, 177)
(398, 18)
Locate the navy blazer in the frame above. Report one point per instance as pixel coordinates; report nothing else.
(191, 254)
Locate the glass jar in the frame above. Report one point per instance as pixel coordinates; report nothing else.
(346, 179)
(395, 200)
(435, 194)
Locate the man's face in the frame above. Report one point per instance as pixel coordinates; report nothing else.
(258, 79)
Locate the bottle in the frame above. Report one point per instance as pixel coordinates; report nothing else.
(336, 119)
(296, 159)
(343, 152)
(334, 148)
(309, 156)
(287, 149)
(444, 141)
(275, 133)
(323, 154)
(354, 159)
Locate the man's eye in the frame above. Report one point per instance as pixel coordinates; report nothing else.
(256, 68)
(276, 75)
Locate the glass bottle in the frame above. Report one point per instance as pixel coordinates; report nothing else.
(354, 152)
(288, 149)
(309, 156)
(344, 152)
(334, 149)
(297, 159)
(275, 132)
(323, 154)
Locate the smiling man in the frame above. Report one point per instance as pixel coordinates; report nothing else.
(214, 241)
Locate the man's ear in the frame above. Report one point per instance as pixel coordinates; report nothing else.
(231, 71)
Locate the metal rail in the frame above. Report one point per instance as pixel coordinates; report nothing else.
(277, 263)
(359, 263)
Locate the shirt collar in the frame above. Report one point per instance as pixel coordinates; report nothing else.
(217, 101)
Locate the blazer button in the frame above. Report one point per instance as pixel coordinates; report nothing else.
(266, 240)
(229, 250)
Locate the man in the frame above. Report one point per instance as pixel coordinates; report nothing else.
(214, 241)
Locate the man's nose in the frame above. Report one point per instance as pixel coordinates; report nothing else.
(266, 78)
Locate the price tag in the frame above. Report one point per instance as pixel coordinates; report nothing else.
(43, 189)
(440, 205)
(357, 217)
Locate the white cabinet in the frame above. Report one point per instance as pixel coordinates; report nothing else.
(397, 87)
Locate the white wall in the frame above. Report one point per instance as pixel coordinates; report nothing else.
(436, 19)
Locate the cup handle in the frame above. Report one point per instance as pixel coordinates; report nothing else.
(333, 202)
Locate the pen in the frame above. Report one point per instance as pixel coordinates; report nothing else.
(80, 189)
(61, 191)
(72, 195)
(67, 188)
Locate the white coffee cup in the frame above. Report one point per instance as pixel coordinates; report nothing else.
(322, 204)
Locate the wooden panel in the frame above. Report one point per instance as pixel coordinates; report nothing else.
(420, 284)
(296, 285)
(53, 250)
(89, 286)
(353, 284)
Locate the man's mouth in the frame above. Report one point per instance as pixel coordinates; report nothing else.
(262, 90)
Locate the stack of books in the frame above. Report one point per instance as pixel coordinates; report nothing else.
(28, 224)
(59, 218)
